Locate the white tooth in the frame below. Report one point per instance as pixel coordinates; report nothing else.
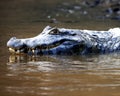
(33, 50)
(18, 51)
(12, 50)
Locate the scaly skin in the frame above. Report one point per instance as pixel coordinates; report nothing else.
(67, 41)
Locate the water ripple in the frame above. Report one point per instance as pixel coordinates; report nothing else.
(63, 75)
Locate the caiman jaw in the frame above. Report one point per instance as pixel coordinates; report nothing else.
(38, 48)
(17, 50)
(42, 48)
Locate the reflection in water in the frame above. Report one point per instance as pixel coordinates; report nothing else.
(56, 63)
(64, 75)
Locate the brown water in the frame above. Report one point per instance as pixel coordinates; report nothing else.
(97, 75)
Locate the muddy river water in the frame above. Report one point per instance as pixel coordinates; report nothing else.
(93, 75)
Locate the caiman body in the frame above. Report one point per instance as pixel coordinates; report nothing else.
(67, 41)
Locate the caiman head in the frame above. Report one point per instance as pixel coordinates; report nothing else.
(49, 41)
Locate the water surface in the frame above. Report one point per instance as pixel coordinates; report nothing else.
(61, 75)
(96, 75)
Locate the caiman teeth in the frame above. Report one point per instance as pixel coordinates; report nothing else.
(33, 50)
(12, 50)
(18, 52)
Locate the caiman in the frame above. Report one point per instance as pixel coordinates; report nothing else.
(61, 41)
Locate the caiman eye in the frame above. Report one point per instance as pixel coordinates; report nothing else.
(54, 31)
